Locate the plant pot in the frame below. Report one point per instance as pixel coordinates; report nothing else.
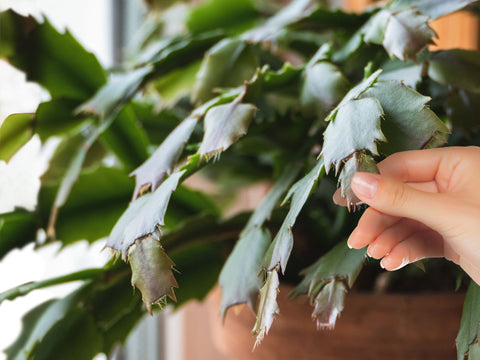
(371, 327)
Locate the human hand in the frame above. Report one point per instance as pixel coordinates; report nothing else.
(425, 203)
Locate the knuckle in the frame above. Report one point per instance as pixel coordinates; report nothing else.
(398, 196)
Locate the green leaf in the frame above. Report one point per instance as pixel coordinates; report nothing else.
(240, 280)
(323, 88)
(403, 33)
(329, 304)
(281, 247)
(167, 55)
(221, 14)
(356, 128)
(435, 8)
(340, 263)
(224, 125)
(239, 287)
(456, 67)
(127, 139)
(151, 270)
(229, 63)
(28, 321)
(78, 325)
(355, 92)
(158, 5)
(177, 83)
(408, 124)
(407, 33)
(17, 229)
(39, 321)
(54, 60)
(322, 18)
(15, 132)
(116, 312)
(409, 73)
(162, 162)
(293, 12)
(474, 352)
(328, 279)
(68, 180)
(268, 307)
(462, 108)
(99, 315)
(287, 75)
(198, 266)
(358, 162)
(69, 145)
(91, 135)
(193, 202)
(117, 91)
(142, 216)
(469, 326)
(95, 203)
(157, 123)
(28, 287)
(56, 118)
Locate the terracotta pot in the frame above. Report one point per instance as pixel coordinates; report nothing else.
(371, 327)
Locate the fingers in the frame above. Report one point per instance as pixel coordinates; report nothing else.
(420, 165)
(386, 241)
(429, 186)
(395, 198)
(425, 244)
(370, 226)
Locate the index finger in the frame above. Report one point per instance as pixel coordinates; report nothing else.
(421, 165)
(429, 186)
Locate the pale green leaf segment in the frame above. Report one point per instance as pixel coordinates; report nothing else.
(281, 247)
(435, 8)
(225, 65)
(239, 287)
(151, 270)
(224, 125)
(153, 171)
(277, 255)
(357, 125)
(327, 281)
(408, 123)
(385, 112)
(142, 216)
(115, 92)
(323, 85)
(96, 325)
(467, 338)
(402, 30)
(406, 33)
(358, 162)
(456, 67)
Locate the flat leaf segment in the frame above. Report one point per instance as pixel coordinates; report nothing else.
(239, 287)
(467, 338)
(327, 281)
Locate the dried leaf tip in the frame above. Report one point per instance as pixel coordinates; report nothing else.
(329, 304)
(268, 307)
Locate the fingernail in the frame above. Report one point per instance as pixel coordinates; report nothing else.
(365, 185)
(349, 246)
(405, 262)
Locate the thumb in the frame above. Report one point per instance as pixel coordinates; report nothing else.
(396, 198)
